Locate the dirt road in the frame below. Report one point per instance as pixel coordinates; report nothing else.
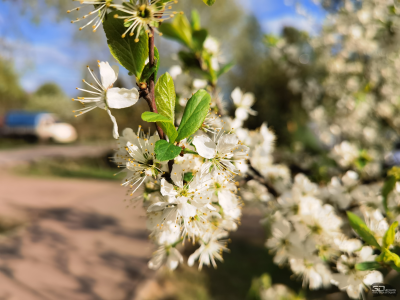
(79, 241)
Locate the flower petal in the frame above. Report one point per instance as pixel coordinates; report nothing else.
(108, 74)
(187, 210)
(237, 96)
(248, 99)
(241, 113)
(115, 128)
(177, 175)
(167, 189)
(204, 146)
(121, 98)
(157, 206)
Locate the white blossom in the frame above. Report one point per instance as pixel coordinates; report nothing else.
(105, 96)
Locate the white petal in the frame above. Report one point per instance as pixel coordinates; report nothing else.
(373, 277)
(248, 99)
(115, 128)
(237, 96)
(241, 114)
(210, 207)
(174, 258)
(157, 206)
(204, 146)
(177, 175)
(227, 143)
(194, 256)
(121, 98)
(187, 210)
(167, 189)
(108, 74)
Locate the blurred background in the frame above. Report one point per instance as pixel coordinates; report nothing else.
(67, 234)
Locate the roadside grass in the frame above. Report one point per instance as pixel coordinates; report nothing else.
(6, 144)
(88, 168)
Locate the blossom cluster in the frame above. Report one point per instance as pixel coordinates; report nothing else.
(339, 233)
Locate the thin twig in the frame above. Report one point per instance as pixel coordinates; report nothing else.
(148, 93)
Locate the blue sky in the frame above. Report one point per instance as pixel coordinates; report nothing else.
(48, 52)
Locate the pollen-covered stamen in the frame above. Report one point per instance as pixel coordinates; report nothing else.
(84, 110)
(99, 13)
(144, 16)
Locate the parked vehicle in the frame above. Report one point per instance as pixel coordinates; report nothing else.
(35, 126)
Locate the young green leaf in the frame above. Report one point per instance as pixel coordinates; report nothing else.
(388, 238)
(126, 51)
(387, 188)
(386, 256)
(199, 36)
(187, 177)
(157, 57)
(147, 71)
(169, 130)
(362, 229)
(367, 265)
(209, 2)
(178, 30)
(166, 151)
(189, 60)
(165, 96)
(165, 100)
(225, 68)
(149, 116)
(195, 20)
(195, 112)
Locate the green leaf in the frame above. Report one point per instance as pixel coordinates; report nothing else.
(195, 112)
(179, 30)
(165, 96)
(149, 116)
(368, 265)
(166, 151)
(170, 130)
(362, 229)
(148, 71)
(271, 40)
(387, 188)
(189, 60)
(388, 238)
(199, 36)
(196, 25)
(225, 68)
(157, 57)
(209, 2)
(395, 172)
(126, 51)
(386, 256)
(187, 177)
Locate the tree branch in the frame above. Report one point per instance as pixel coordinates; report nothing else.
(147, 92)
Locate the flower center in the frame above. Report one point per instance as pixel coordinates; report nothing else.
(145, 12)
(184, 193)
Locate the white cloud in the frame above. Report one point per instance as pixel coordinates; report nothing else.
(276, 25)
(42, 62)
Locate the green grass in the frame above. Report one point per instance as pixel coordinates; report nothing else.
(6, 144)
(89, 168)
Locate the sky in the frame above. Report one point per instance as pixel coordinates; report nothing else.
(47, 52)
